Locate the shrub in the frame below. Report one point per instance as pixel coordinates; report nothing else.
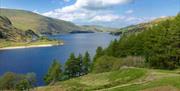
(133, 61)
(12, 81)
(105, 64)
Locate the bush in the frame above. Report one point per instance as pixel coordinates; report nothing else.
(12, 81)
(134, 61)
(108, 63)
(105, 64)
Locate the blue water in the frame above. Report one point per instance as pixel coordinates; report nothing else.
(38, 60)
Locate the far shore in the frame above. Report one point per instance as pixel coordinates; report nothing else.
(30, 46)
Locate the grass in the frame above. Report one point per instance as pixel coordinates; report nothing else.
(99, 81)
(4, 43)
(155, 78)
(126, 79)
(169, 81)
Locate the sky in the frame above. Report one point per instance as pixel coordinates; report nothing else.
(110, 13)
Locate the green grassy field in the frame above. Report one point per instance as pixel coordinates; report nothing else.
(126, 79)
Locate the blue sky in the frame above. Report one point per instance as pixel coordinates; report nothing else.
(111, 13)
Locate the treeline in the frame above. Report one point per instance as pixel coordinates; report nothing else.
(74, 67)
(159, 45)
(11, 81)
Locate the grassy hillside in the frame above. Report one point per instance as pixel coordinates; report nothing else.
(140, 27)
(40, 24)
(125, 79)
(11, 33)
(11, 36)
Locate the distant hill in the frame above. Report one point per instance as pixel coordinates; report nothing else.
(40, 24)
(140, 27)
(97, 28)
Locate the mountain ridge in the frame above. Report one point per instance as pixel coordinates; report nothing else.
(25, 20)
(40, 24)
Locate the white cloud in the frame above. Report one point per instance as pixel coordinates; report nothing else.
(66, 0)
(95, 11)
(129, 12)
(85, 9)
(99, 4)
(107, 18)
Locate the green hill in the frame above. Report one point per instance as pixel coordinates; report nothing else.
(10, 33)
(140, 27)
(11, 36)
(125, 79)
(40, 24)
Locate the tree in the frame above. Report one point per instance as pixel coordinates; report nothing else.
(23, 85)
(99, 53)
(54, 73)
(31, 77)
(86, 63)
(12, 81)
(7, 81)
(79, 61)
(70, 66)
(113, 49)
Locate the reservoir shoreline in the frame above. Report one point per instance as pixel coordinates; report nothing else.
(30, 46)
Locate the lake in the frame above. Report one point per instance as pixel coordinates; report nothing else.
(38, 60)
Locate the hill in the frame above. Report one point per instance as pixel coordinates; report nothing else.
(125, 79)
(11, 36)
(40, 24)
(96, 28)
(11, 33)
(140, 27)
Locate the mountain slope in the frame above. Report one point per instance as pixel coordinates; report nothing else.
(40, 24)
(140, 27)
(10, 33)
(11, 36)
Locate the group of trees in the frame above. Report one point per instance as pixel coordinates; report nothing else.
(74, 67)
(12, 81)
(79, 66)
(159, 45)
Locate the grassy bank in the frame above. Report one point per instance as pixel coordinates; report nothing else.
(126, 79)
(4, 44)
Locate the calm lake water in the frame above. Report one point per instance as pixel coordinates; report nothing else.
(38, 60)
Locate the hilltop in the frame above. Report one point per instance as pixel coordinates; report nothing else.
(40, 24)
